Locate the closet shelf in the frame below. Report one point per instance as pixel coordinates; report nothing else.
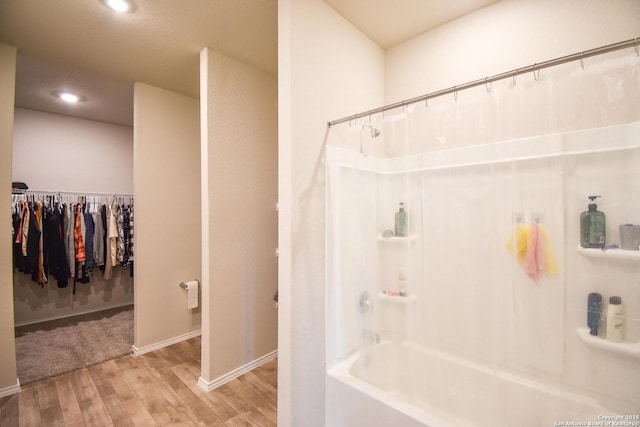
(627, 348)
(621, 254)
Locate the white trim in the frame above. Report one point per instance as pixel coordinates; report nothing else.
(157, 346)
(8, 391)
(211, 385)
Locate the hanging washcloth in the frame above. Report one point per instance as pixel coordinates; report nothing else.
(539, 259)
(519, 238)
(550, 261)
(532, 250)
(536, 259)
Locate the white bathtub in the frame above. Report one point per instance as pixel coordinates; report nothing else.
(411, 386)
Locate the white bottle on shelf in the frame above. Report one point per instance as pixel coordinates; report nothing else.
(615, 320)
(402, 282)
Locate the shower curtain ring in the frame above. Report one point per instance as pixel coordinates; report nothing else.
(455, 93)
(515, 77)
(487, 85)
(536, 76)
(582, 60)
(636, 47)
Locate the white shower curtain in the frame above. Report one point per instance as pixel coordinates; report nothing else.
(474, 169)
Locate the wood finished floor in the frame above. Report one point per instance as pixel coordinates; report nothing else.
(155, 389)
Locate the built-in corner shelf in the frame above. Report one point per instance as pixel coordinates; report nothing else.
(621, 254)
(397, 299)
(396, 239)
(625, 347)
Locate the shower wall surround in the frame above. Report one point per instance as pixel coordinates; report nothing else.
(494, 181)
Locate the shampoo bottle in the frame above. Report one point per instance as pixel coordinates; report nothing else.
(592, 226)
(402, 222)
(615, 321)
(594, 309)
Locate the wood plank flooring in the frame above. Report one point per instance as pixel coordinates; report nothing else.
(155, 389)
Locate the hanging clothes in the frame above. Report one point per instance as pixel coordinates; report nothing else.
(98, 238)
(66, 241)
(58, 265)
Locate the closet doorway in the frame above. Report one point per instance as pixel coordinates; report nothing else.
(75, 161)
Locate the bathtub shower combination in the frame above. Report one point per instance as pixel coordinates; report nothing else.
(456, 284)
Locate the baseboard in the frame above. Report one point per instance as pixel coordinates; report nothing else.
(211, 385)
(8, 391)
(146, 349)
(79, 313)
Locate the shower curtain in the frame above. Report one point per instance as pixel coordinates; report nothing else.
(494, 179)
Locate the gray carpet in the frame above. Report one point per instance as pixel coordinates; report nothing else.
(52, 348)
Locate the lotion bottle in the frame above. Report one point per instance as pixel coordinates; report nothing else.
(402, 282)
(615, 320)
(592, 226)
(402, 222)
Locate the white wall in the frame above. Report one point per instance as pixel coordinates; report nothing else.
(61, 153)
(239, 193)
(502, 37)
(8, 370)
(167, 214)
(326, 69)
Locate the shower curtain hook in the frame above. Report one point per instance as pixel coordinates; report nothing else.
(455, 93)
(582, 60)
(536, 77)
(636, 47)
(487, 86)
(515, 77)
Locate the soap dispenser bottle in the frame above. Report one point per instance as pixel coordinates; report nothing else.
(402, 221)
(592, 226)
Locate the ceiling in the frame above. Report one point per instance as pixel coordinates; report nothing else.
(82, 45)
(391, 22)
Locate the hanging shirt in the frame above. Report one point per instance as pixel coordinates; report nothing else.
(98, 239)
(41, 277)
(113, 235)
(69, 229)
(81, 256)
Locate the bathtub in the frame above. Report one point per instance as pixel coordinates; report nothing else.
(411, 386)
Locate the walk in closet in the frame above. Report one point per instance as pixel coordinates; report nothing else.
(72, 230)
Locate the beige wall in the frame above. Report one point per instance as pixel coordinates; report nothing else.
(8, 371)
(327, 69)
(50, 141)
(167, 217)
(53, 142)
(239, 192)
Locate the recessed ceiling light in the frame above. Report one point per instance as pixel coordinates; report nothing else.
(68, 97)
(120, 5)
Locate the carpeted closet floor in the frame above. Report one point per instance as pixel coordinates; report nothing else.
(55, 347)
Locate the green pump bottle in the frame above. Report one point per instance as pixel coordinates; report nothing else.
(592, 226)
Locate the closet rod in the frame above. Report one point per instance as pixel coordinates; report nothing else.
(69, 193)
(487, 80)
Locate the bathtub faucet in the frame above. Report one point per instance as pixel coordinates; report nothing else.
(368, 335)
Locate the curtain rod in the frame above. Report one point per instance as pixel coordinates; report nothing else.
(490, 79)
